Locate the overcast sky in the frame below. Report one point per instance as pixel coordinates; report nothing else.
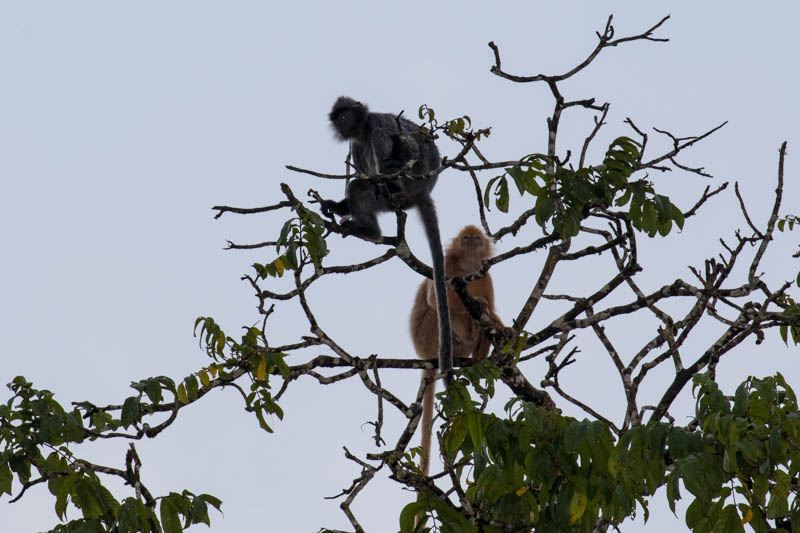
(122, 124)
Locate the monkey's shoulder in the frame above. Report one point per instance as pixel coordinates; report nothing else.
(382, 123)
(392, 124)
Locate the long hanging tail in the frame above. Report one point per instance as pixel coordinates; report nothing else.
(430, 222)
(425, 423)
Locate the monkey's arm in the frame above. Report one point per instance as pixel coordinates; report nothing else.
(404, 151)
(483, 289)
(484, 344)
(328, 207)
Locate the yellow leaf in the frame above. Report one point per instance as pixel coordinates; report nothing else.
(261, 371)
(182, 396)
(278, 263)
(203, 375)
(213, 370)
(747, 517)
(577, 507)
(522, 491)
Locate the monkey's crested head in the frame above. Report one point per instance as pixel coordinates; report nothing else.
(348, 118)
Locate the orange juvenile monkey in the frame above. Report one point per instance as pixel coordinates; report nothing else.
(462, 257)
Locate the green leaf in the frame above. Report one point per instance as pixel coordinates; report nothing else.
(130, 411)
(409, 515)
(86, 498)
(575, 435)
(128, 518)
(525, 180)
(650, 218)
(624, 199)
(263, 421)
(694, 477)
(570, 223)
(211, 500)
(677, 216)
(145, 513)
(191, 386)
(6, 477)
(673, 490)
(694, 513)
(729, 521)
(200, 512)
(451, 519)
(664, 207)
(170, 520)
(153, 390)
(501, 195)
(283, 238)
(539, 465)
(795, 518)
(752, 450)
(455, 436)
(475, 429)
(290, 257)
(64, 492)
(487, 191)
(544, 209)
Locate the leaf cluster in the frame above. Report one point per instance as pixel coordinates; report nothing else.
(752, 449)
(459, 129)
(564, 196)
(302, 240)
(250, 354)
(33, 423)
(540, 470)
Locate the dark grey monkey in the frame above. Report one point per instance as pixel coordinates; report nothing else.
(385, 144)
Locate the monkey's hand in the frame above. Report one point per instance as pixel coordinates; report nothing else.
(482, 303)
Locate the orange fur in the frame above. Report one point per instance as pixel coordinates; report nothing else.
(462, 257)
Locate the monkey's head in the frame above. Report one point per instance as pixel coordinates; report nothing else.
(348, 118)
(472, 241)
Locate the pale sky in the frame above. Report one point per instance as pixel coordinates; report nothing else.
(122, 124)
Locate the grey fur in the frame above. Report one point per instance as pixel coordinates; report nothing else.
(383, 144)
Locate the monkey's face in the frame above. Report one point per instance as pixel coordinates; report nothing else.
(344, 123)
(348, 118)
(474, 241)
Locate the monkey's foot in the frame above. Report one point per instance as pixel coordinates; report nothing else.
(351, 227)
(401, 200)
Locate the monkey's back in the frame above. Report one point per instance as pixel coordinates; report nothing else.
(423, 325)
(382, 128)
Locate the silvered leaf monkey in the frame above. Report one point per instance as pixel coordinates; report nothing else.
(383, 144)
